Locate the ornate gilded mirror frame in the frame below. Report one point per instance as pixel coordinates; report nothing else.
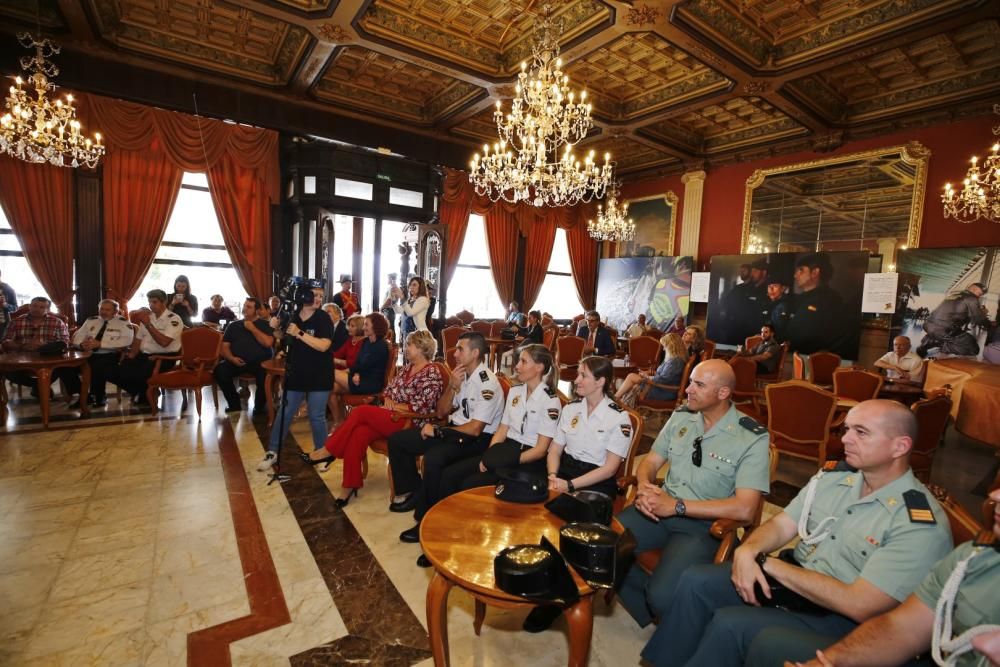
(913, 153)
(636, 209)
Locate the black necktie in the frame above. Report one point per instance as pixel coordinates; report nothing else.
(100, 334)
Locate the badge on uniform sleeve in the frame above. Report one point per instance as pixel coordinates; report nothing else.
(918, 507)
(553, 414)
(488, 394)
(680, 433)
(484, 376)
(626, 430)
(573, 423)
(517, 399)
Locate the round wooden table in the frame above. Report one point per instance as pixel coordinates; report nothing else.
(41, 366)
(462, 534)
(904, 392)
(498, 345)
(275, 369)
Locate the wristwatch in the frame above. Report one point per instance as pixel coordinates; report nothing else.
(680, 509)
(761, 558)
(569, 486)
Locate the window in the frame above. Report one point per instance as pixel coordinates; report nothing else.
(472, 287)
(14, 269)
(192, 246)
(403, 197)
(343, 187)
(558, 294)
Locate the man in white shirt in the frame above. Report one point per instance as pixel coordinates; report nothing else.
(159, 333)
(902, 365)
(105, 335)
(639, 327)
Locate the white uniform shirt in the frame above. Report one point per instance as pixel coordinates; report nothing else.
(909, 362)
(168, 324)
(589, 438)
(480, 397)
(117, 335)
(529, 416)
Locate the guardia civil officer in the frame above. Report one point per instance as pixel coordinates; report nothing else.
(475, 399)
(814, 320)
(105, 335)
(954, 614)
(869, 530)
(718, 469)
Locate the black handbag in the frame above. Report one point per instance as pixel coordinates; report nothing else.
(53, 349)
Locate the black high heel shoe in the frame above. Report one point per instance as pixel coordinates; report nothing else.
(342, 502)
(315, 462)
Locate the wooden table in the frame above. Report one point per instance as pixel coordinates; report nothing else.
(501, 345)
(275, 369)
(462, 534)
(41, 366)
(904, 392)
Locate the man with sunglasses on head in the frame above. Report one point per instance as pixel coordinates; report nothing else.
(719, 469)
(868, 532)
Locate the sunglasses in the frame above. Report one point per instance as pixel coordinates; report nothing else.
(696, 454)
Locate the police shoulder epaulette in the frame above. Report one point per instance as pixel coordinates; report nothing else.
(683, 408)
(119, 317)
(918, 507)
(575, 400)
(838, 466)
(94, 317)
(614, 406)
(752, 425)
(484, 376)
(550, 392)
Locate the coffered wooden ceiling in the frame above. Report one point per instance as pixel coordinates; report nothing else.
(676, 84)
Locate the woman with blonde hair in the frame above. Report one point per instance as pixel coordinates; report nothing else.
(669, 372)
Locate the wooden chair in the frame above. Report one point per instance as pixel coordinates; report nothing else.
(354, 400)
(481, 327)
(799, 416)
(454, 322)
(778, 370)
(707, 350)
(569, 351)
(648, 405)
(449, 358)
(549, 335)
(822, 366)
(643, 351)
(752, 341)
(798, 367)
(449, 337)
(496, 327)
(856, 385)
(626, 471)
(746, 397)
(964, 526)
(465, 316)
(932, 418)
(200, 347)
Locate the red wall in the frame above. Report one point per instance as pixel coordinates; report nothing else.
(951, 146)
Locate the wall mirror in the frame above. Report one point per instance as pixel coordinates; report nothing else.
(863, 201)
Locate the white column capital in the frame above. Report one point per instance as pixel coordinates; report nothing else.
(693, 176)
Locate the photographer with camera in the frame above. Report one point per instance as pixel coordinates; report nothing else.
(308, 366)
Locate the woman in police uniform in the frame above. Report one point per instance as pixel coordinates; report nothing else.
(526, 428)
(593, 436)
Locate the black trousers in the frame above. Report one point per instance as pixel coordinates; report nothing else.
(466, 474)
(439, 453)
(69, 376)
(132, 374)
(570, 468)
(102, 366)
(226, 373)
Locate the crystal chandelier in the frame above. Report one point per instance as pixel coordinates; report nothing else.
(980, 195)
(38, 129)
(613, 223)
(755, 244)
(545, 118)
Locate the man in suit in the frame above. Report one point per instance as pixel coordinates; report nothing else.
(597, 336)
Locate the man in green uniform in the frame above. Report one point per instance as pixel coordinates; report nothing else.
(954, 614)
(718, 469)
(869, 532)
(814, 321)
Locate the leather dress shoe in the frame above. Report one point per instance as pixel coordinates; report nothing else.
(410, 535)
(423, 561)
(407, 505)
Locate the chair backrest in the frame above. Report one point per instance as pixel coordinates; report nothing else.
(855, 384)
(798, 367)
(549, 335)
(390, 364)
(746, 374)
(614, 339)
(449, 357)
(822, 366)
(200, 344)
(449, 337)
(752, 341)
(481, 326)
(465, 316)
(964, 526)
(453, 321)
(504, 384)
(496, 327)
(799, 417)
(643, 351)
(707, 350)
(627, 464)
(932, 418)
(569, 349)
(780, 368)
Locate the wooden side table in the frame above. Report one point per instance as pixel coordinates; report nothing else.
(41, 366)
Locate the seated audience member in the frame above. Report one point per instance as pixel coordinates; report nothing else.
(347, 299)
(694, 340)
(902, 364)
(344, 356)
(340, 331)
(531, 333)
(677, 326)
(29, 332)
(246, 344)
(869, 533)
(367, 374)
(596, 334)
(767, 353)
(953, 615)
(181, 302)
(416, 388)
(217, 312)
(274, 305)
(638, 328)
(474, 402)
(513, 314)
(669, 372)
(159, 333)
(526, 428)
(719, 468)
(104, 335)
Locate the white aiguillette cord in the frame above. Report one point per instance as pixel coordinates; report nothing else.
(941, 638)
(816, 536)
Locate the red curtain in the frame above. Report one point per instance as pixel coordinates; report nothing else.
(582, 257)
(39, 202)
(539, 239)
(456, 206)
(140, 188)
(501, 241)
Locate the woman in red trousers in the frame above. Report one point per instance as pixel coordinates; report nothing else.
(416, 388)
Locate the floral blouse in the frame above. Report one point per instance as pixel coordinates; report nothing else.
(421, 390)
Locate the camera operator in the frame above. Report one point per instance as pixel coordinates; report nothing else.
(308, 371)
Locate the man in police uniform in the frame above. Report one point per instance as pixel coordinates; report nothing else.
(474, 398)
(159, 333)
(104, 335)
(869, 531)
(817, 310)
(718, 469)
(960, 594)
(946, 326)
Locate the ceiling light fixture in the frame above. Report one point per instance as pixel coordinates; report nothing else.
(613, 223)
(980, 195)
